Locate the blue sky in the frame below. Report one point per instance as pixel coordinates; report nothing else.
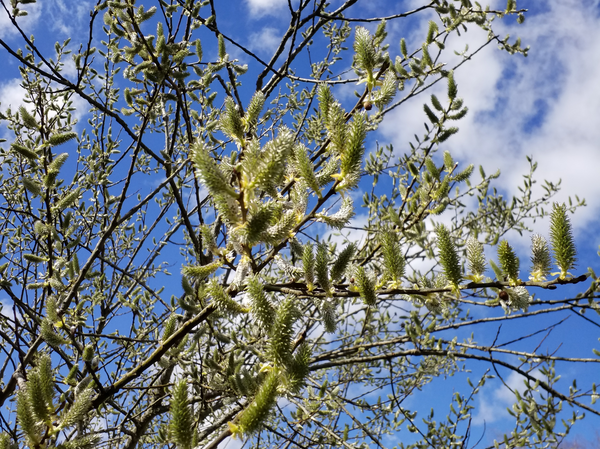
(546, 105)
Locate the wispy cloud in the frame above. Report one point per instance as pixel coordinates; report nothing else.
(12, 94)
(266, 7)
(266, 40)
(546, 105)
(6, 309)
(70, 18)
(492, 405)
(27, 23)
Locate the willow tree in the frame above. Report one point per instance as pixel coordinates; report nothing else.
(169, 275)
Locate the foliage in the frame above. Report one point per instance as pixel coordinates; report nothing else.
(232, 181)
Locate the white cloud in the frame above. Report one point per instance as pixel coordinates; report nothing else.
(266, 7)
(12, 94)
(231, 443)
(69, 17)
(353, 232)
(27, 23)
(6, 309)
(546, 105)
(266, 40)
(492, 406)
